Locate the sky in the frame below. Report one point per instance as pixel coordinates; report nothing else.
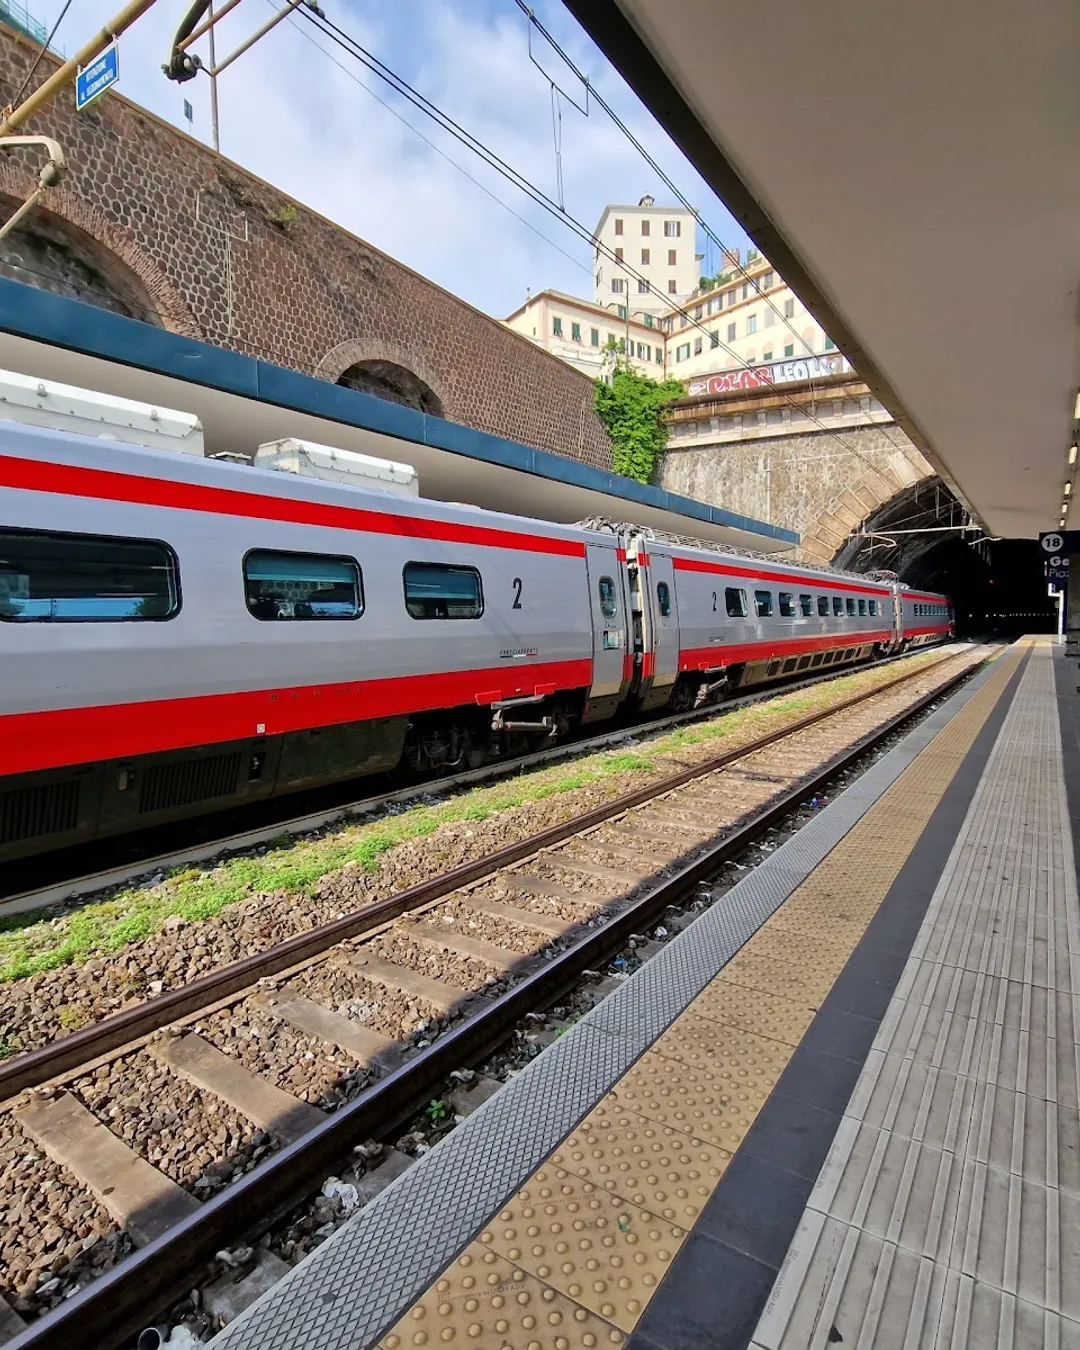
(318, 131)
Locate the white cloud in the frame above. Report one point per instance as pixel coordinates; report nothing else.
(296, 119)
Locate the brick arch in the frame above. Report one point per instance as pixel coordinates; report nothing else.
(873, 489)
(136, 276)
(356, 350)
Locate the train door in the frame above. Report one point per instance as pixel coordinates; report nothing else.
(612, 624)
(665, 608)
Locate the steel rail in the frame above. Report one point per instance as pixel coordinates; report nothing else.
(122, 1301)
(41, 897)
(37, 1066)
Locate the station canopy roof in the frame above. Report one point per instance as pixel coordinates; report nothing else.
(913, 172)
(243, 402)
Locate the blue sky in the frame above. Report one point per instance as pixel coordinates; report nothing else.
(292, 116)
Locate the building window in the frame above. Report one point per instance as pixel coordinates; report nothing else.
(770, 317)
(746, 290)
(763, 604)
(618, 255)
(731, 332)
(714, 338)
(643, 288)
(671, 257)
(644, 227)
(645, 257)
(766, 356)
(618, 225)
(672, 287)
(751, 324)
(789, 349)
(682, 352)
(732, 297)
(789, 309)
(683, 320)
(440, 591)
(644, 351)
(659, 356)
(611, 337)
(735, 602)
(556, 327)
(599, 278)
(829, 344)
(697, 311)
(85, 578)
(697, 346)
(768, 280)
(648, 320)
(622, 311)
(302, 586)
(673, 229)
(616, 285)
(787, 605)
(575, 332)
(594, 337)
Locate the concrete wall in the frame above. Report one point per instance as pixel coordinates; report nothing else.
(817, 483)
(187, 240)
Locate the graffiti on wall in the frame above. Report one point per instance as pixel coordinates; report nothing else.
(779, 372)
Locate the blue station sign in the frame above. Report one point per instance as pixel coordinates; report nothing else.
(101, 74)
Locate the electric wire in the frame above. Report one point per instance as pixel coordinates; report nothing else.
(44, 48)
(540, 198)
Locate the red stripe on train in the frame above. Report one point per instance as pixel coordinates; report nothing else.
(106, 485)
(49, 740)
(727, 654)
(760, 574)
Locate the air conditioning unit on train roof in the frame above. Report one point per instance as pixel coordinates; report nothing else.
(310, 460)
(64, 407)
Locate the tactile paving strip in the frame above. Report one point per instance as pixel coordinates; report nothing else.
(356, 1284)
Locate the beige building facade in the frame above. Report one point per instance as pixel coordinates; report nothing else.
(584, 334)
(645, 258)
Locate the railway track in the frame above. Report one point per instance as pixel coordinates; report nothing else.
(206, 1113)
(86, 870)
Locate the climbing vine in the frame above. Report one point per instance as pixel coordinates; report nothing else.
(629, 405)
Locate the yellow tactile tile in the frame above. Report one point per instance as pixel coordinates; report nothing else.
(694, 1100)
(741, 1059)
(487, 1303)
(767, 1014)
(667, 1172)
(601, 1251)
(581, 1249)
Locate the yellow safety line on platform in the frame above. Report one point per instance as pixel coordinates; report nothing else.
(572, 1260)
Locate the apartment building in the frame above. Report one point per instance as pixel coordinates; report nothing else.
(646, 257)
(583, 333)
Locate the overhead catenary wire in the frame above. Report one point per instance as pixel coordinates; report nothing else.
(37, 60)
(540, 198)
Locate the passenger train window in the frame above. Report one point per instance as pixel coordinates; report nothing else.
(862, 606)
(735, 600)
(837, 604)
(85, 578)
(806, 604)
(787, 604)
(873, 607)
(763, 603)
(302, 586)
(823, 606)
(609, 604)
(663, 596)
(442, 591)
(850, 605)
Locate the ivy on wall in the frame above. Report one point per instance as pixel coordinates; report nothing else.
(629, 405)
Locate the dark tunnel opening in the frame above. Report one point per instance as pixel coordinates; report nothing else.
(997, 586)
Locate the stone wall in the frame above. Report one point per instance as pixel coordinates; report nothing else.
(152, 222)
(821, 484)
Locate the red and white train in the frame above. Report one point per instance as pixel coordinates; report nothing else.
(179, 634)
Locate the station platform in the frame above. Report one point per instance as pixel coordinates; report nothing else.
(840, 1108)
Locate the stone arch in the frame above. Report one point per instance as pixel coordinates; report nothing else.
(69, 246)
(896, 473)
(386, 370)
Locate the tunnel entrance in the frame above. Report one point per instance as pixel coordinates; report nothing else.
(923, 535)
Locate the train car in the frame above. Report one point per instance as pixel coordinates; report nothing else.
(924, 618)
(713, 622)
(179, 634)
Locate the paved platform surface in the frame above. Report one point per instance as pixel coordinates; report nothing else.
(784, 1129)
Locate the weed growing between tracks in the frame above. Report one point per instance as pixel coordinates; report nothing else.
(31, 943)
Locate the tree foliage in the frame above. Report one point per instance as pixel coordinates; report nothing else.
(630, 407)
